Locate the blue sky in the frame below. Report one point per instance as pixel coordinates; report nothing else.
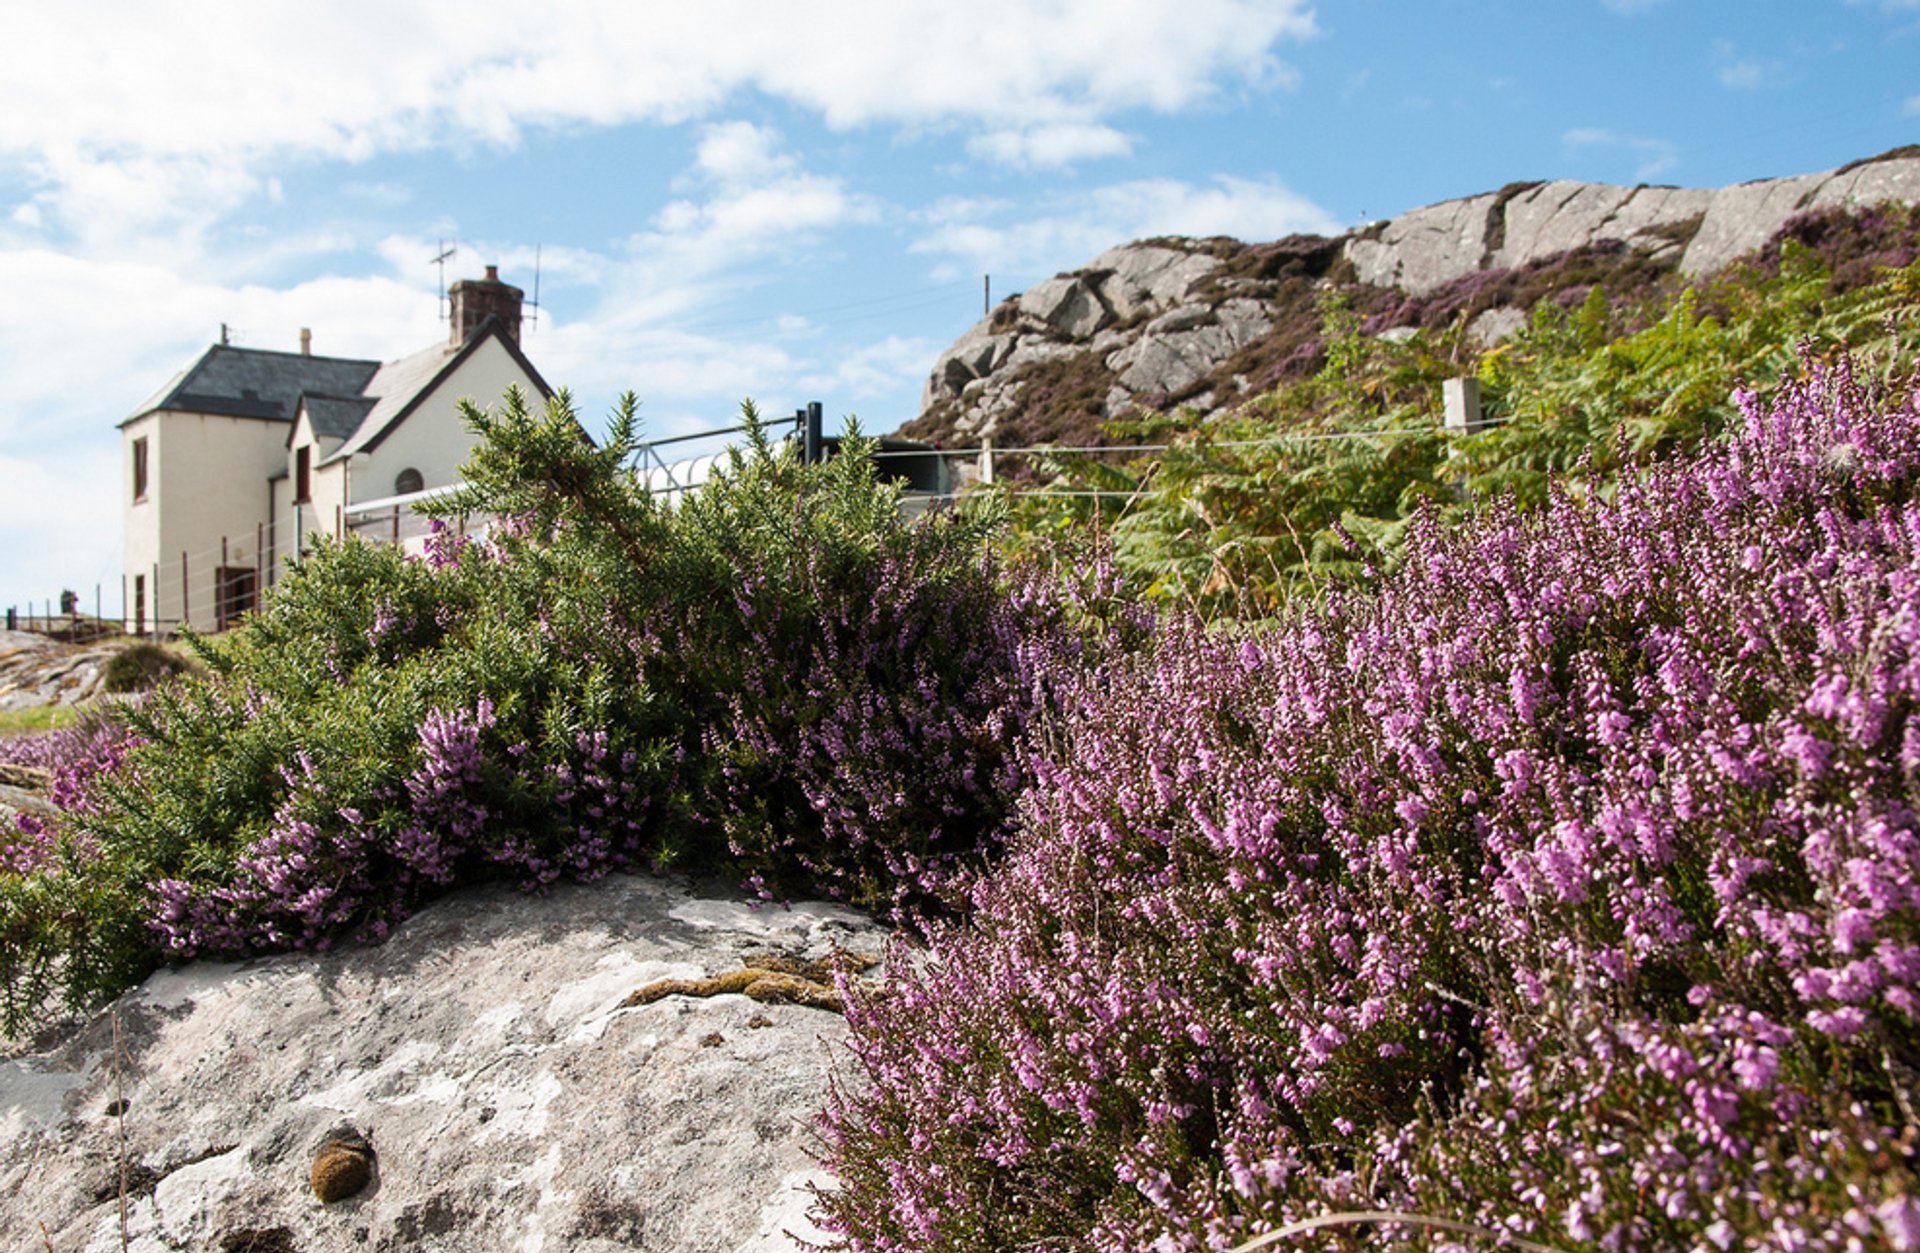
(788, 202)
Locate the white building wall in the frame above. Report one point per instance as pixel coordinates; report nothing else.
(207, 482)
(139, 519)
(434, 439)
(324, 512)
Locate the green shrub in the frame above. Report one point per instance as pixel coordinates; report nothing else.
(142, 664)
(781, 680)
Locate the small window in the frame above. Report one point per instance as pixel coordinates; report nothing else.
(408, 481)
(303, 475)
(140, 469)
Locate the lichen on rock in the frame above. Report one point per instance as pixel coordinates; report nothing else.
(769, 978)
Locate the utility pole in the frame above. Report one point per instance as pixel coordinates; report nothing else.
(986, 295)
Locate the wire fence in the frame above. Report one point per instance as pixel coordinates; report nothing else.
(213, 586)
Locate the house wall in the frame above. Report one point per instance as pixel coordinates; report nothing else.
(139, 519)
(434, 439)
(281, 531)
(320, 513)
(207, 481)
(323, 515)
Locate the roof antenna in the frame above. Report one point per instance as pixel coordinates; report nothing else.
(445, 251)
(533, 319)
(223, 335)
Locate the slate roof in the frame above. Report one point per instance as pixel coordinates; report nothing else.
(253, 383)
(336, 417)
(394, 388)
(356, 403)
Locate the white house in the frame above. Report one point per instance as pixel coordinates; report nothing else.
(246, 453)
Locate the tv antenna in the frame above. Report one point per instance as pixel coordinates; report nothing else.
(446, 250)
(533, 319)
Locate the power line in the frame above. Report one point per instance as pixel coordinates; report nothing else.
(1271, 442)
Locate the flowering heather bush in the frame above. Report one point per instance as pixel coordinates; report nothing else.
(865, 677)
(73, 756)
(782, 681)
(1565, 885)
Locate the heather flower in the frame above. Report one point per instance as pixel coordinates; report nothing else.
(1566, 884)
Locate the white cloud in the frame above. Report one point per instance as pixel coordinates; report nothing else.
(143, 322)
(1654, 156)
(739, 153)
(175, 131)
(1089, 223)
(757, 200)
(1050, 144)
(1912, 108)
(1738, 72)
(875, 370)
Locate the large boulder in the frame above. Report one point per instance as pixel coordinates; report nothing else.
(1066, 306)
(483, 1054)
(1425, 249)
(1563, 215)
(1742, 218)
(1137, 278)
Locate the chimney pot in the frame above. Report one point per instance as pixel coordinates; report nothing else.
(306, 341)
(473, 301)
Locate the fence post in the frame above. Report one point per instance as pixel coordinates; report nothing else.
(816, 449)
(186, 596)
(1461, 400)
(396, 526)
(259, 562)
(986, 460)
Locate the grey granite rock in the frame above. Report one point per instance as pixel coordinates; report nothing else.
(510, 1102)
(1153, 312)
(1427, 248)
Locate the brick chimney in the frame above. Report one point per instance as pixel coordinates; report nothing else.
(473, 300)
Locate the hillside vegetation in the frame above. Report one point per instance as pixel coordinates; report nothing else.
(1318, 477)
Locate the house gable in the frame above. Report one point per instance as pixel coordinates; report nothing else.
(245, 453)
(410, 383)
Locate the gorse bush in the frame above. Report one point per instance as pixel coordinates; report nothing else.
(781, 680)
(1565, 885)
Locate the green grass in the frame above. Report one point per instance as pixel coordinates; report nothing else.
(37, 718)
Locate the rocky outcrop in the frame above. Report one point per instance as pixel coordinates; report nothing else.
(1199, 322)
(36, 670)
(489, 1081)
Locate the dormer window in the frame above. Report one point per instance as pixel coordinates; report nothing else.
(408, 481)
(303, 475)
